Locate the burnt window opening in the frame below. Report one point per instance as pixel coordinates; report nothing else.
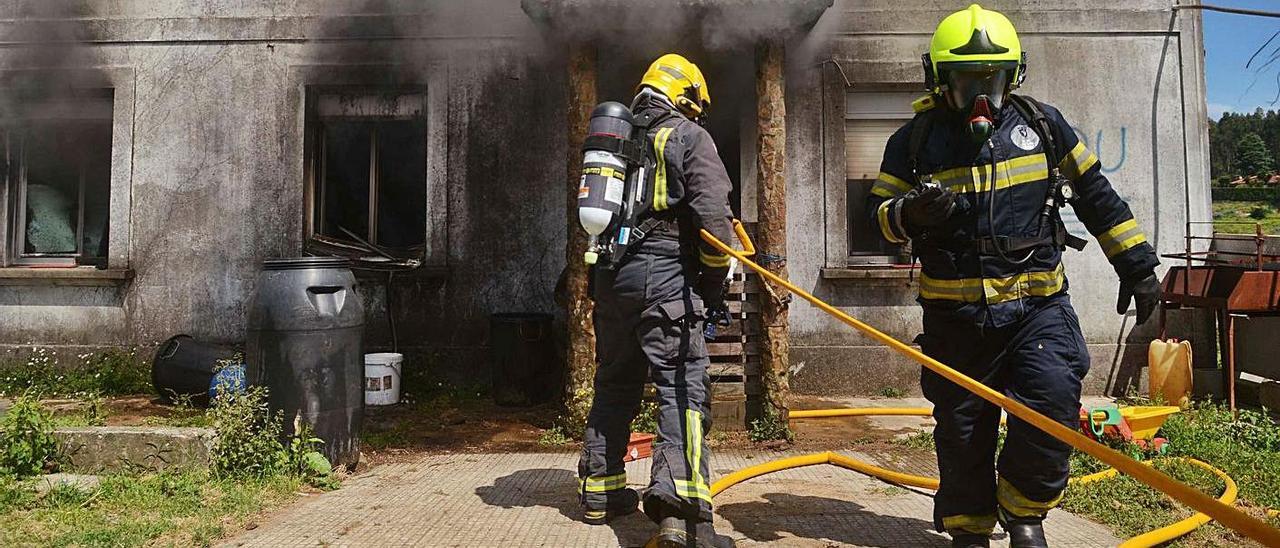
(57, 156)
(369, 174)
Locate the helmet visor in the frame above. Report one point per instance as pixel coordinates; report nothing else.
(966, 81)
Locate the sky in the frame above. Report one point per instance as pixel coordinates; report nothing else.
(1229, 41)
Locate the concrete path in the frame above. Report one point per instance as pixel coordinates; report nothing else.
(529, 500)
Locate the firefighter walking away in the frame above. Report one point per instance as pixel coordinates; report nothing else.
(652, 178)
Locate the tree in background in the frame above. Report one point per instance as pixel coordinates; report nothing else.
(1252, 157)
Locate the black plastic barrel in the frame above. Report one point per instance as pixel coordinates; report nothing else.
(523, 359)
(304, 343)
(183, 368)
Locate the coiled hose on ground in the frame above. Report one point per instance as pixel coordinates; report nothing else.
(1151, 538)
(1219, 510)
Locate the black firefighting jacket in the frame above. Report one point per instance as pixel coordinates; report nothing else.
(688, 185)
(956, 274)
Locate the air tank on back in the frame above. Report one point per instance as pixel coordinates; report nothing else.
(304, 343)
(604, 173)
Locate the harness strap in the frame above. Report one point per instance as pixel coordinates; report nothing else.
(920, 127)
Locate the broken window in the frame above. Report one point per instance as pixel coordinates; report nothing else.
(58, 159)
(369, 173)
(870, 119)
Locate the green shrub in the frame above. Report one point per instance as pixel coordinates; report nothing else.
(248, 441)
(27, 445)
(646, 420)
(1259, 213)
(769, 427)
(1245, 194)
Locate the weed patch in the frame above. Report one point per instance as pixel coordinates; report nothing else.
(27, 445)
(115, 372)
(922, 440)
(770, 427)
(556, 436)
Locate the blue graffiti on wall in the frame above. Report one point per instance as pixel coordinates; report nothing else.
(1106, 155)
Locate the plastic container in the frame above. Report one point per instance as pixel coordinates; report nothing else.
(1145, 420)
(184, 368)
(523, 359)
(1169, 371)
(382, 378)
(305, 344)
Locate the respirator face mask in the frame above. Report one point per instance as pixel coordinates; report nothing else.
(978, 92)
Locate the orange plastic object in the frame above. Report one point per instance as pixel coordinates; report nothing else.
(1169, 371)
(639, 447)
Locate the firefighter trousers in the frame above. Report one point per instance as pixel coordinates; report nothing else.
(1038, 361)
(648, 328)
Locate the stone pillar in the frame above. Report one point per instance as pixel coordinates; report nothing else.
(581, 355)
(771, 242)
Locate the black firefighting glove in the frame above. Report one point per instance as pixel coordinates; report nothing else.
(711, 287)
(927, 207)
(1144, 290)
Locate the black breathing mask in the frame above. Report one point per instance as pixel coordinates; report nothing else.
(978, 95)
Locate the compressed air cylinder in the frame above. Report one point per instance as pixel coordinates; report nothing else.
(604, 172)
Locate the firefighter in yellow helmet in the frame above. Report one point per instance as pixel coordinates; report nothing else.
(975, 182)
(651, 309)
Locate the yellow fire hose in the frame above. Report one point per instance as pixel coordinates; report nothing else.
(1151, 538)
(1215, 509)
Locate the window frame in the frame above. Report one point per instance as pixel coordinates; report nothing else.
(316, 105)
(87, 106)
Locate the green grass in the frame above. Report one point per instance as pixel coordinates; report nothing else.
(1237, 217)
(188, 509)
(1248, 450)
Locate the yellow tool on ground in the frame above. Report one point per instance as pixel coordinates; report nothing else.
(1215, 509)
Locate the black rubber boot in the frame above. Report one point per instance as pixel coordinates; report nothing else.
(624, 502)
(1024, 532)
(970, 540)
(675, 532)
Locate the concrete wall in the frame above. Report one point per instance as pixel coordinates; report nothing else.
(1129, 77)
(215, 169)
(208, 168)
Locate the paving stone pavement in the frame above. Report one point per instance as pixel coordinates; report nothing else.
(517, 499)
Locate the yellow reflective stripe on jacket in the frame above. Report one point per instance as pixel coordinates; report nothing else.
(888, 186)
(994, 290)
(1017, 171)
(1121, 238)
(696, 486)
(978, 524)
(1077, 162)
(1014, 502)
(602, 484)
(882, 218)
(660, 173)
(713, 260)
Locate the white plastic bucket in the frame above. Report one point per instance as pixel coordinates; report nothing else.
(382, 378)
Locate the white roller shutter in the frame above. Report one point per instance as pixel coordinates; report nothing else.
(870, 118)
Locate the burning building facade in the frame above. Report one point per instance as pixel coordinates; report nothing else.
(157, 152)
